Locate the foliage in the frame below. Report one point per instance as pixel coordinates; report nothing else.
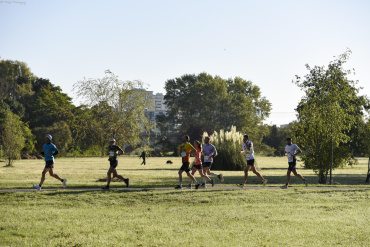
(228, 144)
(326, 115)
(206, 103)
(12, 138)
(276, 138)
(61, 133)
(117, 109)
(47, 105)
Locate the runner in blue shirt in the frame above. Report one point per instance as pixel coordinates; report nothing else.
(49, 151)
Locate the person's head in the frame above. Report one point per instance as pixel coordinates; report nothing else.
(245, 138)
(48, 138)
(198, 145)
(185, 138)
(207, 140)
(289, 141)
(112, 141)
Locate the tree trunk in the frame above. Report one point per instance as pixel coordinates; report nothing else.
(368, 171)
(322, 177)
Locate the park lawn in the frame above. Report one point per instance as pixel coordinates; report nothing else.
(91, 172)
(295, 217)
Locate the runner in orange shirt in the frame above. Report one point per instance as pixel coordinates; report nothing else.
(198, 164)
(185, 150)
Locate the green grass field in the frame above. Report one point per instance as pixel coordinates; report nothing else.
(268, 217)
(91, 172)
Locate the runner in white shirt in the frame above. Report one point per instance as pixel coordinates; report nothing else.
(291, 150)
(209, 152)
(248, 149)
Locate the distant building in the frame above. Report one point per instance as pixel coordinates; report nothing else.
(158, 106)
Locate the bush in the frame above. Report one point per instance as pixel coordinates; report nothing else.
(228, 144)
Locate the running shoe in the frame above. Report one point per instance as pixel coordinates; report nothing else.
(213, 183)
(284, 187)
(178, 187)
(203, 186)
(38, 187)
(221, 177)
(306, 183)
(189, 186)
(240, 185)
(264, 182)
(197, 186)
(105, 188)
(64, 183)
(127, 181)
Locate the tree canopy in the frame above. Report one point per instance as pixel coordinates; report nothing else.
(210, 103)
(327, 114)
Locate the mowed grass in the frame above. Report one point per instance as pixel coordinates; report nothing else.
(295, 217)
(91, 172)
(268, 217)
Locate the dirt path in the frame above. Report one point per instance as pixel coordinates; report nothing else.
(172, 188)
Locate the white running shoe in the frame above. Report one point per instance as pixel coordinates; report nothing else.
(221, 177)
(38, 187)
(284, 187)
(64, 183)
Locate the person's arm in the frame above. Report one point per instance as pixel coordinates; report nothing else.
(120, 149)
(297, 151)
(242, 151)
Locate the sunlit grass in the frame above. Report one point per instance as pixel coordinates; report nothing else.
(295, 217)
(91, 172)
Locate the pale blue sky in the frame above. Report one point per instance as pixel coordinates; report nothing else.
(267, 42)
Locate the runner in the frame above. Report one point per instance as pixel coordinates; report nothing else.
(198, 164)
(248, 149)
(185, 150)
(291, 150)
(209, 152)
(112, 152)
(49, 151)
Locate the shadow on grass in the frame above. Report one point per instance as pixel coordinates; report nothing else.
(341, 179)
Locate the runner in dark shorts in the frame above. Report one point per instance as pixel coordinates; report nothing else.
(209, 152)
(291, 151)
(49, 151)
(113, 162)
(185, 150)
(248, 149)
(198, 164)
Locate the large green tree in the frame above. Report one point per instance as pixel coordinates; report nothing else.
(117, 109)
(208, 103)
(326, 115)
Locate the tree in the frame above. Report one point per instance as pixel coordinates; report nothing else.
(12, 138)
(117, 108)
(210, 103)
(61, 133)
(326, 114)
(47, 105)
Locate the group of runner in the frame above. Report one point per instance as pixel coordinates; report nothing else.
(185, 151)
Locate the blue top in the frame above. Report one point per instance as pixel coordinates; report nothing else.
(49, 148)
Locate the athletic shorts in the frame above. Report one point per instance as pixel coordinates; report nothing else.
(207, 164)
(250, 162)
(199, 167)
(113, 163)
(185, 167)
(49, 164)
(292, 165)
